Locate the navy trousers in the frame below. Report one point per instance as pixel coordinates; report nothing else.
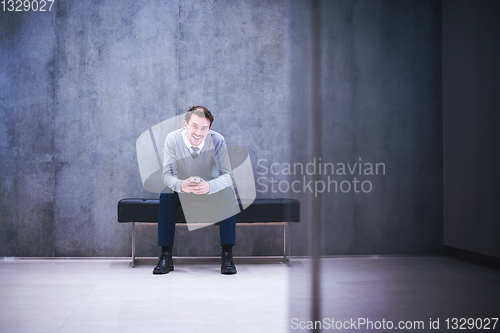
(167, 214)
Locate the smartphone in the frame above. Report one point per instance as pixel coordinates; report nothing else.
(194, 179)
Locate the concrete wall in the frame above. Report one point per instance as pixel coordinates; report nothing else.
(27, 126)
(471, 81)
(381, 103)
(82, 83)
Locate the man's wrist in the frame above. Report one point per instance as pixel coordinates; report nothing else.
(210, 186)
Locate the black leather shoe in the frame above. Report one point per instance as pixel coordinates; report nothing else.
(165, 265)
(227, 264)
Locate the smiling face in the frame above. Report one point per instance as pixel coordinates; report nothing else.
(197, 129)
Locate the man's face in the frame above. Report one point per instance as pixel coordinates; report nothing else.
(197, 129)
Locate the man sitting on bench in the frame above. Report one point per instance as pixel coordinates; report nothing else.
(196, 169)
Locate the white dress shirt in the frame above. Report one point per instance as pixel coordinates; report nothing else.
(188, 144)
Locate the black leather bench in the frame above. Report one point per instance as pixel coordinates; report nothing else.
(260, 212)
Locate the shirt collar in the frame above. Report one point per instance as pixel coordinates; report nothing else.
(188, 144)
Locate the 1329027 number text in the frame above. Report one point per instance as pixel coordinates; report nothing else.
(27, 5)
(471, 323)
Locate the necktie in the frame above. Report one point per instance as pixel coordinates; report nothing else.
(195, 152)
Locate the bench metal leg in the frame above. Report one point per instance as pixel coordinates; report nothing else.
(133, 244)
(286, 243)
(289, 243)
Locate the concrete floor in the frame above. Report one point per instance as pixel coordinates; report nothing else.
(398, 288)
(86, 295)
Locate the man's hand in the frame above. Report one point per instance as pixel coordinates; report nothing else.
(197, 188)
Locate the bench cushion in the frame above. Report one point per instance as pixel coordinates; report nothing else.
(261, 210)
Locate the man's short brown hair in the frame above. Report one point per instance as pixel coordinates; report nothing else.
(200, 111)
